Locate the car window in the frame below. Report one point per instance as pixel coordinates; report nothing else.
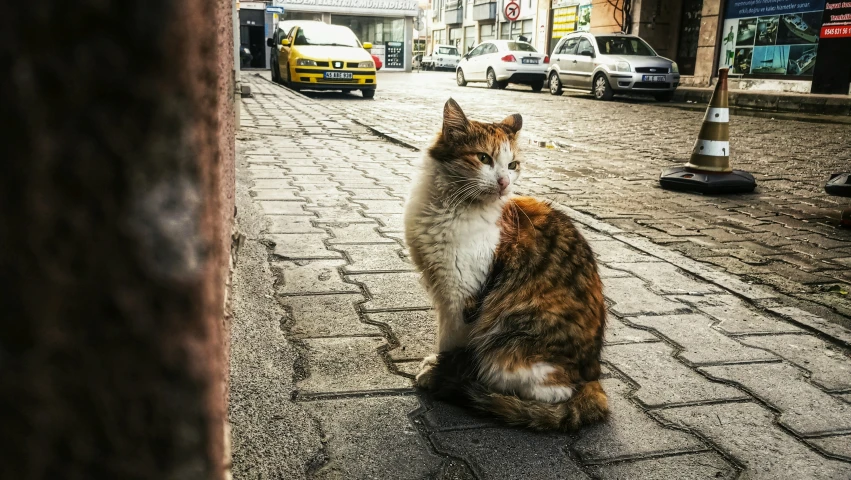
(624, 46)
(569, 46)
(584, 45)
(520, 47)
(447, 51)
(491, 48)
(478, 50)
(324, 34)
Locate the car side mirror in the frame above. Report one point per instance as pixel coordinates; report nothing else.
(285, 42)
(367, 45)
(270, 42)
(587, 53)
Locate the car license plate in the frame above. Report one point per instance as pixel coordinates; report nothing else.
(531, 60)
(339, 75)
(654, 78)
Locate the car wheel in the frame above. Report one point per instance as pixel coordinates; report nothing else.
(459, 78)
(555, 84)
(492, 83)
(537, 86)
(664, 97)
(602, 89)
(368, 92)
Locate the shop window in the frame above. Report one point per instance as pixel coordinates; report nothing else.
(486, 32)
(469, 38)
(455, 37)
(375, 30)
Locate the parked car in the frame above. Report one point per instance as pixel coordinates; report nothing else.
(281, 30)
(500, 62)
(606, 64)
(442, 57)
(318, 56)
(377, 60)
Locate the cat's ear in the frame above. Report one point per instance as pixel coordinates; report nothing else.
(454, 120)
(513, 122)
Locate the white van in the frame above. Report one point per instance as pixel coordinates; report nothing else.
(443, 57)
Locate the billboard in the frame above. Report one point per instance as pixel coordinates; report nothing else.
(767, 37)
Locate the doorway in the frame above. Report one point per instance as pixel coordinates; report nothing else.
(252, 37)
(689, 36)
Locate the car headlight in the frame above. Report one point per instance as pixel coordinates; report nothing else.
(305, 62)
(368, 64)
(674, 68)
(621, 67)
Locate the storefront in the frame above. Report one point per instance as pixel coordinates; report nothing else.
(387, 24)
(568, 16)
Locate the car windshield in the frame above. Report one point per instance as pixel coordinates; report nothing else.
(447, 51)
(520, 47)
(624, 46)
(322, 34)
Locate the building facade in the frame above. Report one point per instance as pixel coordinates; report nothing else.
(799, 46)
(387, 24)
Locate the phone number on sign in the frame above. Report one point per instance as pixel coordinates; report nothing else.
(834, 32)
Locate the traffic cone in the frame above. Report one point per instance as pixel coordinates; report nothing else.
(708, 170)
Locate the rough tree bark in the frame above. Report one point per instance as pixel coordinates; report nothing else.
(115, 211)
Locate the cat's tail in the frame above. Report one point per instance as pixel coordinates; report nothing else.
(454, 379)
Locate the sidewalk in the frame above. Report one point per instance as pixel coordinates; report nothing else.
(772, 101)
(708, 376)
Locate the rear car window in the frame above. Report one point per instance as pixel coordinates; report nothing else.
(623, 46)
(520, 47)
(447, 51)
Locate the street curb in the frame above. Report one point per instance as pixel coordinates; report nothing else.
(772, 102)
(760, 296)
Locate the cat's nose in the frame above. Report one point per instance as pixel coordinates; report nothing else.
(503, 183)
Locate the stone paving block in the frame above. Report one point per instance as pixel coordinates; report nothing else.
(393, 291)
(391, 222)
(304, 170)
(828, 365)
(629, 432)
(415, 330)
(267, 173)
(692, 466)
(380, 257)
(326, 316)
(290, 224)
(606, 272)
(293, 246)
(381, 206)
(613, 251)
(736, 317)
(440, 416)
(348, 364)
(618, 332)
(372, 438)
(631, 297)
(282, 194)
(700, 342)
(804, 408)
(272, 184)
(665, 278)
(503, 454)
(408, 367)
(264, 159)
(312, 276)
(662, 379)
(371, 194)
(347, 233)
(279, 207)
(820, 324)
(839, 445)
(338, 214)
(747, 432)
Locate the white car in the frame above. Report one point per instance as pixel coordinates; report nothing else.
(500, 62)
(443, 56)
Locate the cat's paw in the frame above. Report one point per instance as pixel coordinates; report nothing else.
(426, 375)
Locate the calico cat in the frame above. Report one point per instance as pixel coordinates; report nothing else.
(519, 302)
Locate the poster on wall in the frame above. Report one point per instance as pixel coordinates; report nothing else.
(766, 37)
(564, 22)
(833, 72)
(583, 18)
(394, 55)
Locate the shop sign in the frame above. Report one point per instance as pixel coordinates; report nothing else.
(394, 55)
(252, 6)
(564, 22)
(406, 5)
(833, 71)
(570, 3)
(836, 22)
(771, 37)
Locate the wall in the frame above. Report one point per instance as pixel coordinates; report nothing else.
(117, 204)
(707, 44)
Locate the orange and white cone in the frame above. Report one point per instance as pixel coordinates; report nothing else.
(711, 151)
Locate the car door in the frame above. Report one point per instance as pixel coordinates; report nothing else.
(469, 64)
(584, 63)
(486, 59)
(567, 61)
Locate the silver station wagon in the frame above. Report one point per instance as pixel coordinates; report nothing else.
(606, 64)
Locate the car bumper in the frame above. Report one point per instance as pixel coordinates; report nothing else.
(448, 65)
(626, 81)
(315, 78)
(522, 73)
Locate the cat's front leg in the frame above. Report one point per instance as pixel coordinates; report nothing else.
(452, 332)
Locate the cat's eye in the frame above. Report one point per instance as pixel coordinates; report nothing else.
(512, 166)
(485, 158)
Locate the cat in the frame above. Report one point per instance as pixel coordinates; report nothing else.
(519, 302)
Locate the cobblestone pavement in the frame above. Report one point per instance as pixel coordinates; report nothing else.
(708, 376)
(605, 158)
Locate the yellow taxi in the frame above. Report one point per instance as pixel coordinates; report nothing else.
(318, 56)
